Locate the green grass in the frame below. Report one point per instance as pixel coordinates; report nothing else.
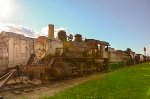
(127, 83)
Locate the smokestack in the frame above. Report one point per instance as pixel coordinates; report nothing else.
(51, 31)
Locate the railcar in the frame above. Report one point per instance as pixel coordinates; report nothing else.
(15, 49)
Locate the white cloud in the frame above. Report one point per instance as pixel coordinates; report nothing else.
(17, 29)
(44, 30)
(148, 50)
(21, 18)
(9, 27)
(141, 51)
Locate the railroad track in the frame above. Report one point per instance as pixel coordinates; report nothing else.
(19, 87)
(11, 81)
(28, 86)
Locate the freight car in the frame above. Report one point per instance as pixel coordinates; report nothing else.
(15, 49)
(119, 58)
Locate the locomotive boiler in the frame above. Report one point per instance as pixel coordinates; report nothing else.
(75, 48)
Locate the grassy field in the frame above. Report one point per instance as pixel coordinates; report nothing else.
(127, 83)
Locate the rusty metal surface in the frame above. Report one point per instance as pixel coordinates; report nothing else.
(45, 47)
(7, 77)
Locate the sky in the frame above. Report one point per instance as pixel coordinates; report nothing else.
(122, 23)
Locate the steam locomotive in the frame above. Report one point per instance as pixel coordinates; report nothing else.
(61, 57)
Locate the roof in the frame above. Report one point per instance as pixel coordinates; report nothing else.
(104, 43)
(90, 40)
(15, 35)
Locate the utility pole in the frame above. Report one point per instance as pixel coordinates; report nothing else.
(144, 51)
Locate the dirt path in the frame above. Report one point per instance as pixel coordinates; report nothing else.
(51, 89)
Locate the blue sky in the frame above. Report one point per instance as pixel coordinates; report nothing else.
(122, 23)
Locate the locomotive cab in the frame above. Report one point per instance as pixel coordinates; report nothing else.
(102, 49)
(99, 51)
